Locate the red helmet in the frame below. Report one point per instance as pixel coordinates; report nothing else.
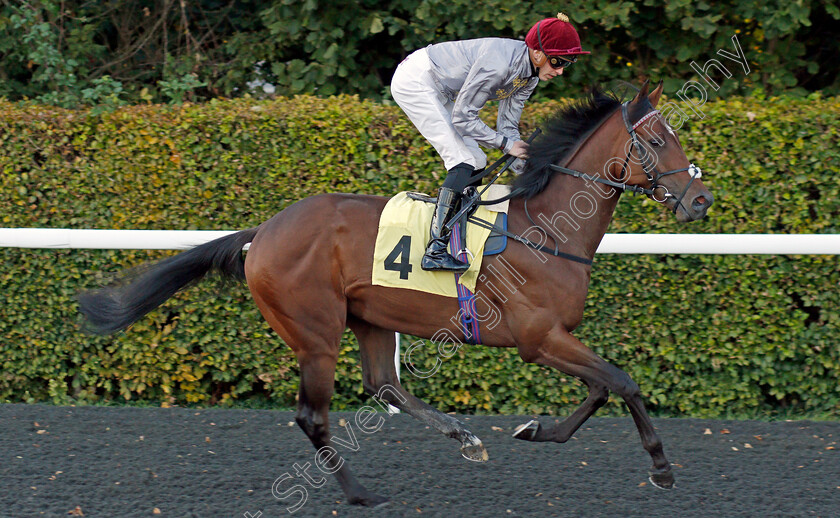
(555, 36)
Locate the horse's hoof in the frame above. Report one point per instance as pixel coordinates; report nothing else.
(474, 450)
(383, 503)
(662, 479)
(370, 500)
(527, 431)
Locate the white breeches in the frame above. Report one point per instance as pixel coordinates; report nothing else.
(415, 91)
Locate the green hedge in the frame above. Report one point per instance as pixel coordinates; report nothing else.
(702, 335)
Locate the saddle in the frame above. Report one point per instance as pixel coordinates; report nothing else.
(401, 241)
(497, 241)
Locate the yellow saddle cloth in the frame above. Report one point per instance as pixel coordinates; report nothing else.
(402, 238)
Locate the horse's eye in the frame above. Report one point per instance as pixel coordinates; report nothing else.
(657, 142)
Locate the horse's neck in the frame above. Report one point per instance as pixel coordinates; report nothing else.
(578, 212)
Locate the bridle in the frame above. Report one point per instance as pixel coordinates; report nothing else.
(651, 172)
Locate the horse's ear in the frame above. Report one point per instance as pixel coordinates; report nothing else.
(643, 91)
(655, 95)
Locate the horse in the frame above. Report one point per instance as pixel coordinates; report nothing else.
(309, 268)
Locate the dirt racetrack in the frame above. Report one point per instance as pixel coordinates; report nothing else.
(120, 462)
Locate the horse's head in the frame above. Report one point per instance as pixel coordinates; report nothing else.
(656, 161)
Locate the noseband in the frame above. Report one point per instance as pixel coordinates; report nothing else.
(651, 172)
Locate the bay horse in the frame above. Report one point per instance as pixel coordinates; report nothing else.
(309, 271)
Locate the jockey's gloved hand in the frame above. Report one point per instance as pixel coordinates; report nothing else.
(519, 149)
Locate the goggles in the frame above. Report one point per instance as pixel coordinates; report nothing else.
(555, 61)
(561, 61)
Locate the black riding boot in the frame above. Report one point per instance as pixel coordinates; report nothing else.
(436, 257)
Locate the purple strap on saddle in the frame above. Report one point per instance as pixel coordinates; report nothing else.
(466, 298)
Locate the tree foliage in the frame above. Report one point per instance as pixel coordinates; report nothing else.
(111, 52)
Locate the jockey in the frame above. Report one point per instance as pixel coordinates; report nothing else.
(442, 88)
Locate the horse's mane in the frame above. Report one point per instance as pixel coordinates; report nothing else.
(560, 136)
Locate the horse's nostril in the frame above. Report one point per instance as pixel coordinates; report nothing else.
(701, 202)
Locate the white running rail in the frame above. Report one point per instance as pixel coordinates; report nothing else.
(793, 244)
(776, 244)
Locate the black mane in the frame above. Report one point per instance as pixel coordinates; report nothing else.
(561, 133)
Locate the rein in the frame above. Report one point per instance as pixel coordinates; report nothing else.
(651, 173)
(555, 252)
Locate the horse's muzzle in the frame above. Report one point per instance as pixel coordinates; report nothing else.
(696, 208)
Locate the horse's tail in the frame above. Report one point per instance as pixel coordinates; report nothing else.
(114, 308)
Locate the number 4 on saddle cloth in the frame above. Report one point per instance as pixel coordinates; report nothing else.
(401, 242)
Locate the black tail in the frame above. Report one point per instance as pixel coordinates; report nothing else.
(114, 308)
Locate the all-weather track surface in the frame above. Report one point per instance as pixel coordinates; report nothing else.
(150, 462)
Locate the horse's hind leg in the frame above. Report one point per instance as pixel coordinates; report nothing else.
(376, 346)
(567, 354)
(317, 374)
(315, 339)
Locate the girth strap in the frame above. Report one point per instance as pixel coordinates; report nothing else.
(466, 298)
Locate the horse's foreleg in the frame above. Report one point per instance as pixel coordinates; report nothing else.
(566, 353)
(377, 347)
(562, 432)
